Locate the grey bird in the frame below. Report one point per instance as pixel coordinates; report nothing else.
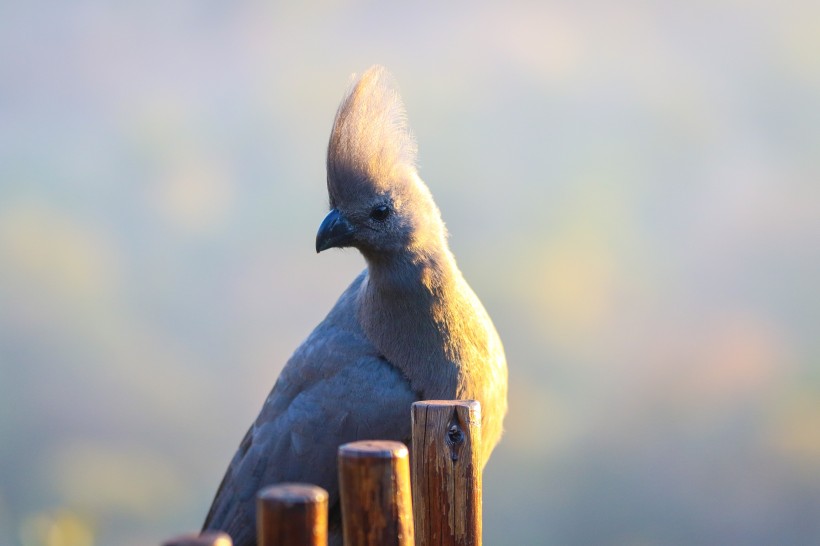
(408, 328)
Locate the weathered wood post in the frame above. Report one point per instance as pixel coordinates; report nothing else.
(205, 539)
(447, 472)
(291, 514)
(374, 489)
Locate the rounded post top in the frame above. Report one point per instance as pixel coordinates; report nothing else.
(293, 493)
(470, 409)
(373, 449)
(473, 405)
(209, 538)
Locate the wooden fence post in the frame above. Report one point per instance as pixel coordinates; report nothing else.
(291, 514)
(205, 539)
(447, 472)
(374, 489)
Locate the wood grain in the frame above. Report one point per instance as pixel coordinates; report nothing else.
(447, 472)
(374, 482)
(292, 514)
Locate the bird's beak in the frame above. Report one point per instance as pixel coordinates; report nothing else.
(335, 231)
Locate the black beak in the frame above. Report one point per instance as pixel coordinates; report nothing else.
(335, 231)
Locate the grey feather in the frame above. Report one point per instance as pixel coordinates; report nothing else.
(408, 328)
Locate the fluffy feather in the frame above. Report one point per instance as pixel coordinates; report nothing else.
(370, 143)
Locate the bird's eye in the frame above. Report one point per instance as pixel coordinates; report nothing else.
(380, 213)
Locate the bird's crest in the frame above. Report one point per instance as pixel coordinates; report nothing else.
(370, 143)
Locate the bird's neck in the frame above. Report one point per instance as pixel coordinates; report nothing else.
(413, 276)
(404, 311)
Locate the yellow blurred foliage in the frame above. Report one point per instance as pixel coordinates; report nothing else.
(193, 195)
(48, 250)
(105, 479)
(62, 528)
(575, 286)
(794, 430)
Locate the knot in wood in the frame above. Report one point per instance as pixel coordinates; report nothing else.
(455, 435)
(455, 440)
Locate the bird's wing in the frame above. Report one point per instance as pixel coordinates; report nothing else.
(336, 388)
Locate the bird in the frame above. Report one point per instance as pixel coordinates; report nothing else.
(408, 328)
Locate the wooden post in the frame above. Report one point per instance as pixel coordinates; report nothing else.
(374, 488)
(447, 472)
(205, 539)
(291, 514)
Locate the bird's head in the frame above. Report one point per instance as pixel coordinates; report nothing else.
(378, 203)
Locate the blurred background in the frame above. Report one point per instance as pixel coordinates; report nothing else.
(632, 188)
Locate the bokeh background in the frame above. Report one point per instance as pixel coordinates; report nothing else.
(632, 188)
